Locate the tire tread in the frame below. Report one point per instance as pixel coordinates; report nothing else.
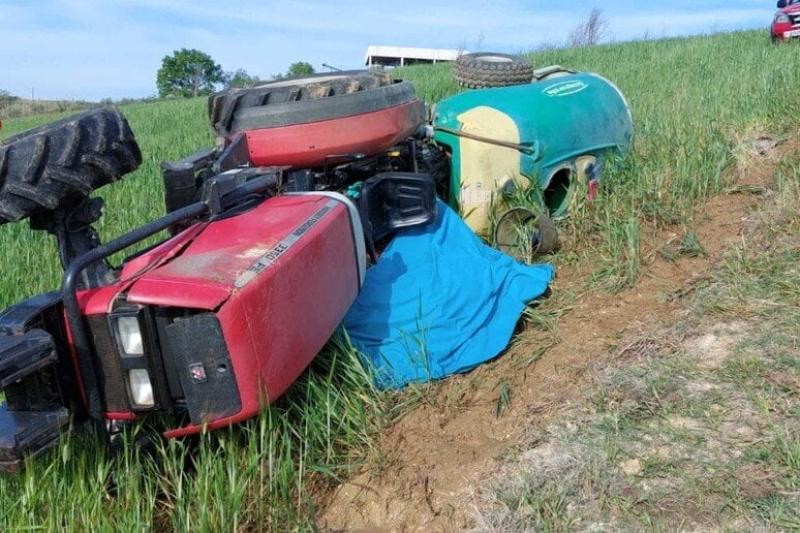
(50, 166)
(224, 106)
(474, 73)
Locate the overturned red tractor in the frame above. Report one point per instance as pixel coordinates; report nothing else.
(271, 234)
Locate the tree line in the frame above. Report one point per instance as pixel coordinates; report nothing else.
(191, 73)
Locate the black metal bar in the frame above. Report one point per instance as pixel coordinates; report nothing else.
(197, 161)
(72, 274)
(249, 188)
(236, 155)
(80, 340)
(345, 158)
(525, 148)
(180, 178)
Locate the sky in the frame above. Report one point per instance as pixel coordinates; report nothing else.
(95, 49)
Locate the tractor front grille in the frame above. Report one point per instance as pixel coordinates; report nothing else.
(110, 378)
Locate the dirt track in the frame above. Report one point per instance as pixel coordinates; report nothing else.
(437, 456)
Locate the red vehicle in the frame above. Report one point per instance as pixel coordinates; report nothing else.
(271, 232)
(786, 22)
(265, 258)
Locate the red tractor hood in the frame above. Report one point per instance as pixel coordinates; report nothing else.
(203, 266)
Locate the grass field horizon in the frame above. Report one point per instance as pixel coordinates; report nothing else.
(698, 103)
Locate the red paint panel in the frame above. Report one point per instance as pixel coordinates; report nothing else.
(97, 301)
(178, 293)
(120, 416)
(75, 363)
(295, 309)
(307, 145)
(202, 276)
(276, 324)
(161, 253)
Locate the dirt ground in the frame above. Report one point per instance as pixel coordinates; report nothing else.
(434, 458)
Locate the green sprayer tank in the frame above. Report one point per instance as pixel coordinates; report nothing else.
(552, 135)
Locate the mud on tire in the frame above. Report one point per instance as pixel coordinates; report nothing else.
(522, 233)
(50, 166)
(486, 69)
(297, 100)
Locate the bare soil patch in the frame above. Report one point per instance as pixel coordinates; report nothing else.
(434, 458)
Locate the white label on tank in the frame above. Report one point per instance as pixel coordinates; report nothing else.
(282, 247)
(565, 88)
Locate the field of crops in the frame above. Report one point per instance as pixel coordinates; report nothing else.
(695, 103)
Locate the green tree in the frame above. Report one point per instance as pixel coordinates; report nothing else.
(188, 73)
(301, 68)
(240, 78)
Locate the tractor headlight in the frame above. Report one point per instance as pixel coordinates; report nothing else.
(781, 17)
(141, 387)
(129, 333)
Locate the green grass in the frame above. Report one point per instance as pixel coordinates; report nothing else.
(20, 107)
(690, 426)
(696, 102)
(257, 476)
(664, 441)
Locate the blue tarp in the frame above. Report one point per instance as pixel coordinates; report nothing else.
(439, 301)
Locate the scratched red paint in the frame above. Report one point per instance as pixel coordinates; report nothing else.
(307, 145)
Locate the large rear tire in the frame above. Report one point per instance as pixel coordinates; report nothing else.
(486, 69)
(304, 99)
(59, 163)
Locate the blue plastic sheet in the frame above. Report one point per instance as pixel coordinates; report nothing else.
(438, 302)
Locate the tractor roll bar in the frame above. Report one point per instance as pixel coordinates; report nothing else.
(212, 204)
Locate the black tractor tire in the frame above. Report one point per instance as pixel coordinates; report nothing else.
(51, 166)
(304, 99)
(486, 69)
